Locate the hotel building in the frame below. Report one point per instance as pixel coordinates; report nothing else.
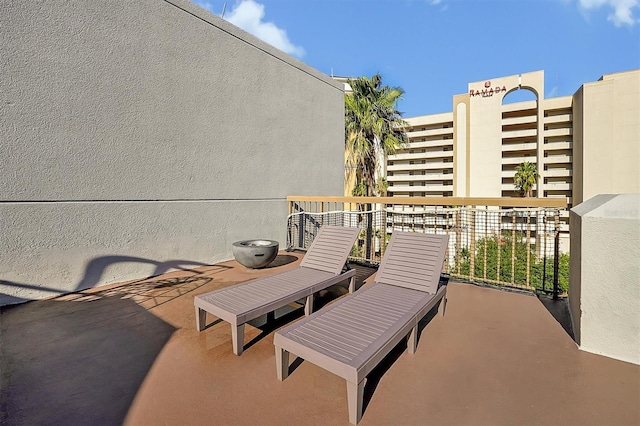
(583, 145)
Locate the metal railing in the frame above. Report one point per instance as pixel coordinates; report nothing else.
(512, 242)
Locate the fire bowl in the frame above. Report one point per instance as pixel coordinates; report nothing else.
(255, 254)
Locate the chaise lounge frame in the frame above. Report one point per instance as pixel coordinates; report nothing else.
(322, 266)
(351, 336)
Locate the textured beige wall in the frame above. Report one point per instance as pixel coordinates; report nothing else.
(604, 291)
(461, 146)
(151, 130)
(484, 159)
(607, 135)
(577, 151)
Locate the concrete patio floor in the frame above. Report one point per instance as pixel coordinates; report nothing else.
(130, 354)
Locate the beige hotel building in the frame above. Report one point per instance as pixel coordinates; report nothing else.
(583, 145)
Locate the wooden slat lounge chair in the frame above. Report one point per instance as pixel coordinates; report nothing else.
(351, 336)
(323, 265)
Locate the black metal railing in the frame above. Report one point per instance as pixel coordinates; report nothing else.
(494, 243)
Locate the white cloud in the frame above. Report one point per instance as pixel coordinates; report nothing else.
(249, 16)
(443, 6)
(622, 13)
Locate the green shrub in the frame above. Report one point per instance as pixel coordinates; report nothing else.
(505, 246)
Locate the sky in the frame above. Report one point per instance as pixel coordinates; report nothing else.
(432, 49)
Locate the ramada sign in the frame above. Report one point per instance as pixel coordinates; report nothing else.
(487, 91)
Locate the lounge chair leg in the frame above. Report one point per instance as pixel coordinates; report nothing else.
(412, 344)
(282, 363)
(352, 284)
(237, 337)
(355, 395)
(308, 306)
(201, 318)
(443, 306)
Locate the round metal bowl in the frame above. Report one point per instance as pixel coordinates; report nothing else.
(255, 254)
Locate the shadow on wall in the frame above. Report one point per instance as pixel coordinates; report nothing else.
(61, 358)
(93, 273)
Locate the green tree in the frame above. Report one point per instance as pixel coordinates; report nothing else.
(525, 178)
(381, 186)
(373, 127)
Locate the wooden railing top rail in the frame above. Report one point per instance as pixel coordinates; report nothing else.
(560, 203)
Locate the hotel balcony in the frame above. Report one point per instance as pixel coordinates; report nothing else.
(517, 134)
(556, 159)
(429, 165)
(528, 119)
(560, 145)
(563, 131)
(560, 118)
(430, 121)
(130, 354)
(421, 155)
(518, 159)
(554, 186)
(433, 143)
(431, 187)
(557, 172)
(557, 186)
(430, 132)
(420, 177)
(515, 147)
(517, 109)
(401, 166)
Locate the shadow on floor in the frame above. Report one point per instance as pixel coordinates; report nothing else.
(559, 309)
(373, 379)
(281, 260)
(93, 377)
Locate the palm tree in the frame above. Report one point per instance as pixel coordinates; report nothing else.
(373, 129)
(525, 178)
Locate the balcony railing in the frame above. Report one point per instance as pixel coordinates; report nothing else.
(513, 242)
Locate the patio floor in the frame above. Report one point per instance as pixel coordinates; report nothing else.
(130, 354)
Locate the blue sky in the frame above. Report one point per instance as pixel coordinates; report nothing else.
(433, 48)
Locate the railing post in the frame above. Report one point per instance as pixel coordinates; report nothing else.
(458, 228)
(513, 247)
(472, 244)
(303, 221)
(383, 240)
(484, 237)
(369, 238)
(528, 247)
(556, 255)
(499, 249)
(544, 252)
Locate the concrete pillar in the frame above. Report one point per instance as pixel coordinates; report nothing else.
(604, 285)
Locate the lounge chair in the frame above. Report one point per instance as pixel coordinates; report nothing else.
(351, 336)
(323, 265)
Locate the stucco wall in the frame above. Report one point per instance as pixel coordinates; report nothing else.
(606, 132)
(483, 160)
(604, 292)
(148, 130)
